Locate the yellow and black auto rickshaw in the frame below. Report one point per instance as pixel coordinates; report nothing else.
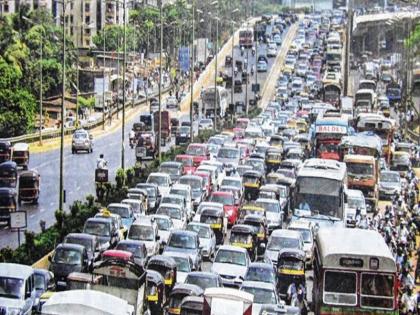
(5, 151)
(273, 158)
(8, 174)
(21, 155)
(29, 187)
(192, 305)
(252, 181)
(276, 141)
(178, 293)
(217, 221)
(250, 209)
(166, 266)
(290, 269)
(7, 205)
(155, 292)
(244, 236)
(259, 224)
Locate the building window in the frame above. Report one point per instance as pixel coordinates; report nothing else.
(71, 5)
(71, 31)
(87, 19)
(6, 7)
(71, 19)
(87, 7)
(87, 31)
(87, 42)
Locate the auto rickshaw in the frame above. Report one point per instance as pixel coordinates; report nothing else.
(273, 158)
(290, 269)
(273, 191)
(273, 178)
(239, 65)
(192, 305)
(5, 151)
(252, 181)
(248, 209)
(276, 141)
(21, 155)
(302, 126)
(8, 174)
(155, 292)
(244, 236)
(245, 77)
(180, 291)
(218, 223)
(166, 266)
(259, 224)
(7, 204)
(29, 187)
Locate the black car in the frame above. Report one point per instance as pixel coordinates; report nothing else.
(90, 242)
(68, 258)
(183, 135)
(104, 229)
(204, 279)
(138, 249)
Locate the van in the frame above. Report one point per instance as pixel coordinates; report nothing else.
(17, 284)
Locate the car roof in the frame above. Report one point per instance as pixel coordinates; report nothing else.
(286, 233)
(184, 232)
(258, 285)
(15, 270)
(232, 248)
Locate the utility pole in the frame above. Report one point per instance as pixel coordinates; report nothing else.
(348, 43)
(103, 83)
(41, 88)
(215, 71)
(192, 73)
(124, 71)
(63, 90)
(160, 81)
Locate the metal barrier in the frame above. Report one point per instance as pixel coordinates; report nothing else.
(33, 137)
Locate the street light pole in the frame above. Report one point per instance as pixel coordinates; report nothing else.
(103, 83)
(63, 89)
(192, 73)
(160, 81)
(41, 88)
(124, 71)
(215, 73)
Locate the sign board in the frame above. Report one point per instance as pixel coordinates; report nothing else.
(331, 129)
(18, 220)
(184, 58)
(101, 175)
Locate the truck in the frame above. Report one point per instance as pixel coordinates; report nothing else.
(363, 174)
(165, 133)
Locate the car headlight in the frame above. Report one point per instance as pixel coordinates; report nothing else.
(14, 311)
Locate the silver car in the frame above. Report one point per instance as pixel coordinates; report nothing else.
(82, 141)
(206, 237)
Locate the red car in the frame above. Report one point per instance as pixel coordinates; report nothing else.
(199, 151)
(187, 161)
(229, 206)
(207, 181)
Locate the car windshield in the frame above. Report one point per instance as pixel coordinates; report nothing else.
(121, 211)
(196, 150)
(228, 153)
(67, 256)
(132, 248)
(184, 130)
(170, 199)
(97, 228)
(202, 231)
(269, 206)
(11, 287)
(179, 192)
(141, 233)
(163, 224)
(355, 203)
(230, 257)
(260, 274)
(240, 238)
(194, 183)
(172, 170)
(390, 177)
(261, 296)
(202, 282)
(182, 264)
(151, 192)
(86, 242)
(182, 240)
(173, 213)
(362, 169)
(80, 136)
(306, 234)
(185, 161)
(231, 183)
(39, 282)
(158, 180)
(226, 200)
(278, 243)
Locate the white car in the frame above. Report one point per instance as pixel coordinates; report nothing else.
(171, 102)
(272, 50)
(264, 293)
(162, 180)
(205, 124)
(147, 233)
(165, 226)
(306, 228)
(355, 199)
(185, 191)
(175, 212)
(206, 236)
(231, 263)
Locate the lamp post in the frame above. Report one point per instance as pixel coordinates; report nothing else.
(103, 83)
(216, 3)
(232, 57)
(160, 81)
(124, 73)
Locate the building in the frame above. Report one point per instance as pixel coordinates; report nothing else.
(11, 6)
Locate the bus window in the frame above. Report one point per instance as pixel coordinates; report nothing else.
(377, 290)
(340, 288)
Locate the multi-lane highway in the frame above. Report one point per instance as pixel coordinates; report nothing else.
(79, 168)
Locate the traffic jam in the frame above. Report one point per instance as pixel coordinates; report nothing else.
(309, 207)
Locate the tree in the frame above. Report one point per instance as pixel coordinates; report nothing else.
(113, 36)
(413, 41)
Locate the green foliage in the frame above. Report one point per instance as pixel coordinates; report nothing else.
(413, 41)
(86, 102)
(113, 36)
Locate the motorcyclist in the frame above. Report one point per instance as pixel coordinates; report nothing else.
(132, 137)
(252, 70)
(409, 301)
(101, 163)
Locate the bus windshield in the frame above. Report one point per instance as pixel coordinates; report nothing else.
(322, 195)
